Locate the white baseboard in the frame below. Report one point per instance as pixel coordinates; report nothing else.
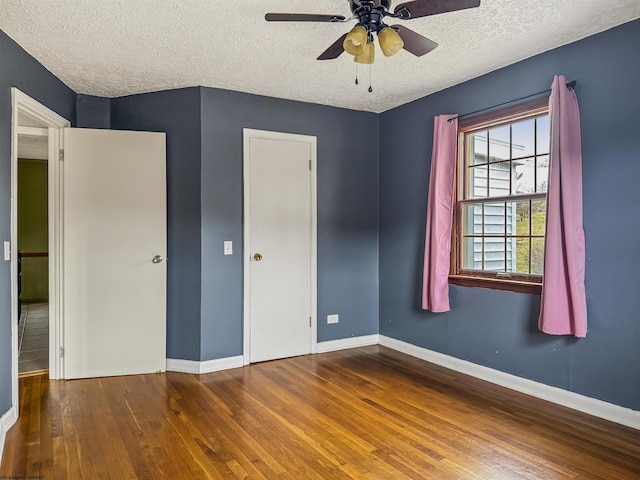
(208, 366)
(575, 401)
(344, 343)
(6, 422)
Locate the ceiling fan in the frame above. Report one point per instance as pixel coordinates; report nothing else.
(370, 15)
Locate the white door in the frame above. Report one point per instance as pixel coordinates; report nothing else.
(114, 248)
(280, 245)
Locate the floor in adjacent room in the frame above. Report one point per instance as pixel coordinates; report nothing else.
(33, 340)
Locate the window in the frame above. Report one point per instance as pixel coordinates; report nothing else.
(501, 199)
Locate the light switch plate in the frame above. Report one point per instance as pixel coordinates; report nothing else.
(228, 247)
(7, 251)
(335, 318)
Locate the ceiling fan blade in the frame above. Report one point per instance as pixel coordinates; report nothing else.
(301, 17)
(414, 42)
(424, 8)
(334, 51)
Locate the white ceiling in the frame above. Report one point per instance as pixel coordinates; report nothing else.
(120, 47)
(33, 148)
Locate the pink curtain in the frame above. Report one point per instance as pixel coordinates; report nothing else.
(435, 285)
(564, 306)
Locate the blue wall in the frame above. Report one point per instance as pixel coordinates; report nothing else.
(18, 69)
(498, 329)
(93, 112)
(176, 112)
(347, 212)
(204, 175)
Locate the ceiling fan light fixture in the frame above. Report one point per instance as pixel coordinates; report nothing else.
(355, 41)
(367, 56)
(390, 41)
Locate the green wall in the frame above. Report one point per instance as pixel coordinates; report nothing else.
(32, 229)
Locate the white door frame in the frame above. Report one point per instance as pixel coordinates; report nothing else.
(52, 122)
(248, 134)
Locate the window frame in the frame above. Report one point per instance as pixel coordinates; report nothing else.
(522, 283)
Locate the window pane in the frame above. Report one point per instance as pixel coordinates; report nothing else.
(472, 253)
(472, 219)
(510, 220)
(494, 218)
(499, 144)
(543, 135)
(478, 147)
(523, 176)
(511, 256)
(520, 254)
(494, 254)
(499, 179)
(538, 216)
(477, 181)
(506, 174)
(537, 256)
(523, 139)
(520, 218)
(542, 173)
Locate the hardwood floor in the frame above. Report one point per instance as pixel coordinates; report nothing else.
(364, 413)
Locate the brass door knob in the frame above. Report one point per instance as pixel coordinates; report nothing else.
(257, 257)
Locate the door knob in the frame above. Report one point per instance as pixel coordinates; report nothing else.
(257, 257)
(157, 259)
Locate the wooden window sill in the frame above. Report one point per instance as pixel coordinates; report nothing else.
(496, 284)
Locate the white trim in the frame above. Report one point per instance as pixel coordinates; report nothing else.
(6, 422)
(56, 244)
(32, 131)
(288, 137)
(345, 343)
(191, 366)
(22, 104)
(575, 401)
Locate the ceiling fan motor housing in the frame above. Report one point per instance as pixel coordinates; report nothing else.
(355, 4)
(370, 13)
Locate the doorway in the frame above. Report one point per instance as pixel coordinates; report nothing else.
(30, 119)
(33, 246)
(280, 246)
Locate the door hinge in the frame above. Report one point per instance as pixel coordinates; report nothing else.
(309, 165)
(61, 352)
(309, 322)
(62, 155)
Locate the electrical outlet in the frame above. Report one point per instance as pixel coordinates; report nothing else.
(7, 251)
(335, 318)
(228, 247)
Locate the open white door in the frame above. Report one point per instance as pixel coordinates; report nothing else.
(114, 249)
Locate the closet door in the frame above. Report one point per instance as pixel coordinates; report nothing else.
(279, 243)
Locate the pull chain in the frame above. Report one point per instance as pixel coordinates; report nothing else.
(356, 73)
(370, 88)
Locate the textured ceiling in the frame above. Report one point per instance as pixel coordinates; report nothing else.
(34, 148)
(120, 47)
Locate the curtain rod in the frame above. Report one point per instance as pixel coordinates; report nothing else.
(571, 84)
